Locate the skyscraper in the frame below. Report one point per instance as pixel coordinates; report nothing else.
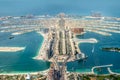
(62, 23)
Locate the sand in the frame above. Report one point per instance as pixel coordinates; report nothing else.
(11, 49)
(90, 40)
(24, 73)
(41, 53)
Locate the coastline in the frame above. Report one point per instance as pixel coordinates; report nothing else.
(40, 55)
(44, 72)
(11, 49)
(90, 40)
(99, 32)
(20, 32)
(42, 48)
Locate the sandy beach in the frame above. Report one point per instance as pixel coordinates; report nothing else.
(41, 53)
(16, 33)
(100, 32)
(90, 40)
(24, 73)
(21, 32)
(11, 49)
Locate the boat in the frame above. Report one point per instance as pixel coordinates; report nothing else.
(82, 60)
(93, 49)
(11, 37)
(81, 57)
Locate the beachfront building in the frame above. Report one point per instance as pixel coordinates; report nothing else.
(77, 30)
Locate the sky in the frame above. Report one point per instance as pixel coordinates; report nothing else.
(81, 7)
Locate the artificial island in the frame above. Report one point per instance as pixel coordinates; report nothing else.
(60, 44)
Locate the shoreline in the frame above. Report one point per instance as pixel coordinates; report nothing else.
(90, 40)
(20, 32)
(40, 54)
(11, 49)
(99, 32)
(44, 72)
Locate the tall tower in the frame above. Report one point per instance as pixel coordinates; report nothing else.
(61, 21)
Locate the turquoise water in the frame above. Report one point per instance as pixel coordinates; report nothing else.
(53, 7)
(22, 61)
(99, 57)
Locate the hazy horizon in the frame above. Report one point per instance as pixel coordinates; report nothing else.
(52, 7)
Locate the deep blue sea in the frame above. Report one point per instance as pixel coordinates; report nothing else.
(53, 7)
(21, 61)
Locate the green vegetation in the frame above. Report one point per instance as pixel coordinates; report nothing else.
(72, 76)
(22, 77)
(109, 77)
(111, 49)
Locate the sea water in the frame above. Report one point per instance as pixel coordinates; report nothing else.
(98, 57)
(21, 61)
